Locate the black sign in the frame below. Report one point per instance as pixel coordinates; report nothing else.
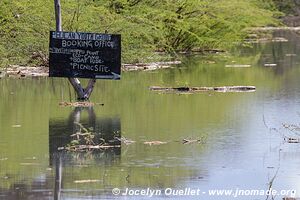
(85, 55)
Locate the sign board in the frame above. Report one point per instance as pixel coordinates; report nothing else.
(85, 55)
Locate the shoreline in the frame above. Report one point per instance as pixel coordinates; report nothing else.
(283, 28)
(17, 71)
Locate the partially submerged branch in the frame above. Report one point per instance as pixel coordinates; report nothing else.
(204, 89)
(191, 141)
(79, 104)
(155, 143)
(85, 139)
(89, 147)
(125, 140)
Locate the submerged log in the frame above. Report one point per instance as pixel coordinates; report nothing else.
(204, 89)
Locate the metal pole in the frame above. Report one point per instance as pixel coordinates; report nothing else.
(58, 15)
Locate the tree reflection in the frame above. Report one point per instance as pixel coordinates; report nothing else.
(60, 135)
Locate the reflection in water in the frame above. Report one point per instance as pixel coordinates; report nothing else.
(106, 129)
(283, 54)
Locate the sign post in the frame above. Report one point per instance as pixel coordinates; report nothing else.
(83, 55)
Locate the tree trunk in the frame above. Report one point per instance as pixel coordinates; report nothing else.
(82, 94)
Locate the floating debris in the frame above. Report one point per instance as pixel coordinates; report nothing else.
(85, 139)
(211, 51)
(125, 140)
(204, 89)
(16, 126)
(270, 65)
(79, 104)
(279, 39)
(87, 181)
(209, 62)
(155, 143)
(30, 164)
(30, 158)
(190, 141)
(290, 54)
(289, 198)
(238, 66)
(149, 66)
(3, 159)
(88, 147)
(266, 40)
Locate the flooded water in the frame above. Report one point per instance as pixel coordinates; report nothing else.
(242, 134)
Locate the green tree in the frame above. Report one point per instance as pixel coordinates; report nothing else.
(147, 26)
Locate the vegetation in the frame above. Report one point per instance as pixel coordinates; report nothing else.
(147, 26)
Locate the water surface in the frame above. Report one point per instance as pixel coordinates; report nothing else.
(243, 136)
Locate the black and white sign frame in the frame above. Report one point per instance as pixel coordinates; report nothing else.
(85, 55)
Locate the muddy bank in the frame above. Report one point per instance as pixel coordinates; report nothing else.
(16, 71)
(276, 28)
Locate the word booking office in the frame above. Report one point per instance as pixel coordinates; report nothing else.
(85, 55)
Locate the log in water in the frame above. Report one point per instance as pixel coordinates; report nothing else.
(204, 89)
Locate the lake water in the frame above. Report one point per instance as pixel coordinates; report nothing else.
(243, 136)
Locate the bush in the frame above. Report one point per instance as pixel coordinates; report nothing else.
(146, 26)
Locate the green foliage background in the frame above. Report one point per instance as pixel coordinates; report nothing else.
(147, 26)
